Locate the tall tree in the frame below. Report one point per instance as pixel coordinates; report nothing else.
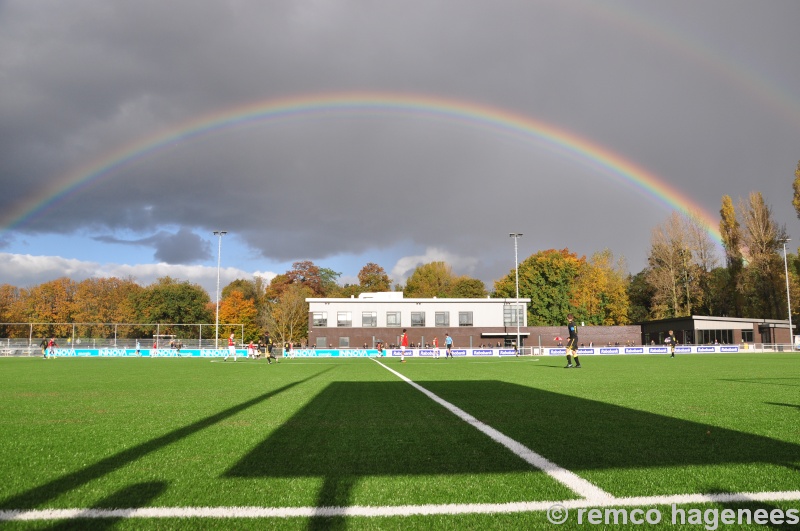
(731, 233)
(287, 318)
(50, 302)
(547, 278)
(763, 277)
(600, 290)
(429, 280)
(373, 278)
(668, 269)
(796, 189)
(170, 301)
(236, 308)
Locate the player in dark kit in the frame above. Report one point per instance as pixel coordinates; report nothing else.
(572, 343)
(671, 341)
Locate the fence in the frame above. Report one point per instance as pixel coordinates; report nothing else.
(115, 335)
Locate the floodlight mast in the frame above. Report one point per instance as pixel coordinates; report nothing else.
(788, 299)
(219, 234)
(516, 235)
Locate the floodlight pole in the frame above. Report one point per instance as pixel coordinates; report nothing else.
(516, 235)
(219, 234)
(788, 299)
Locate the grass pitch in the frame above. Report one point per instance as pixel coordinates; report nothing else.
(312, 433)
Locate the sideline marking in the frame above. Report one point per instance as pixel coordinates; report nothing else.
(567, 478)
(387, 511)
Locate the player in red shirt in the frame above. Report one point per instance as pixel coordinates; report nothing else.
(403, 345)
(231, 348)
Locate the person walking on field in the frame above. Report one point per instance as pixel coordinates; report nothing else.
(671, 341)
(448, 344)
(231, 347)
(572, 343)
(435, 347)
(403, 346)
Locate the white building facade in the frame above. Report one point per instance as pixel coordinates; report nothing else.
(374, 318)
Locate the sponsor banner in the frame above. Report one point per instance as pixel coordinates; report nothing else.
(458, 352)
(634, 350)
(683, 350)
(399, 352)
(507, 352)
(485, 352)
(587, 351)
(609, 350)
(705, 349)
(657, 350)
(427, 352)
(557, 351)
(729, 349)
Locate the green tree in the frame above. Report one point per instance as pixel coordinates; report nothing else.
(640, 296)
(170, 301)
(547, 278)
(468, 288)
(429, 280)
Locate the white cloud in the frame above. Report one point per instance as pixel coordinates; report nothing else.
(25, 270)
(406, 265)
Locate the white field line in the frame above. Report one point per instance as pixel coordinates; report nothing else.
(389, 511)
(571, 480)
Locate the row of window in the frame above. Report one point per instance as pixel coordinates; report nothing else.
(393, 319)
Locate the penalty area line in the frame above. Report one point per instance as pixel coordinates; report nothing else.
(389, 511)
(566, 477)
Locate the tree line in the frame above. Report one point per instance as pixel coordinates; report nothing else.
(684, 276)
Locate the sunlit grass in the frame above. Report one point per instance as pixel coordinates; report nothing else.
(105, 433)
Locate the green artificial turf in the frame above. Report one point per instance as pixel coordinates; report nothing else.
(111, 433)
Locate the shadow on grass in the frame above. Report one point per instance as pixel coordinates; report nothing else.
(796, 406)
(581, 434)
(765, 381)
(38, 495)
(138, 495)
(357, 429)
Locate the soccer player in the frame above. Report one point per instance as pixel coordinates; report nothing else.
(51, 348)
(231, 347)
(435, 347)
(671, 341)
(448, 344)
(403, 345)
(572, 342)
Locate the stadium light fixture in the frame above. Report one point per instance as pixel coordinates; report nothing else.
(516, 235)
(219, 234)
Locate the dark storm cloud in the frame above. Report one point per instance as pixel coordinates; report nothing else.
(678, 88)
(182, 247)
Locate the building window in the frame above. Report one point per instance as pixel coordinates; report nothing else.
(464, 318)
(344, 342)
(320, 318)
(344, 319)
(512, 317)
(417, 318)
(369, 319)
(747, 336)
(322, 342)
(393, 319)
(442, 318)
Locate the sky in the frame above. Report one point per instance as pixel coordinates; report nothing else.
(398, 133)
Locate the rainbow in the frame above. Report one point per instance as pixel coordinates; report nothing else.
(469, 113)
